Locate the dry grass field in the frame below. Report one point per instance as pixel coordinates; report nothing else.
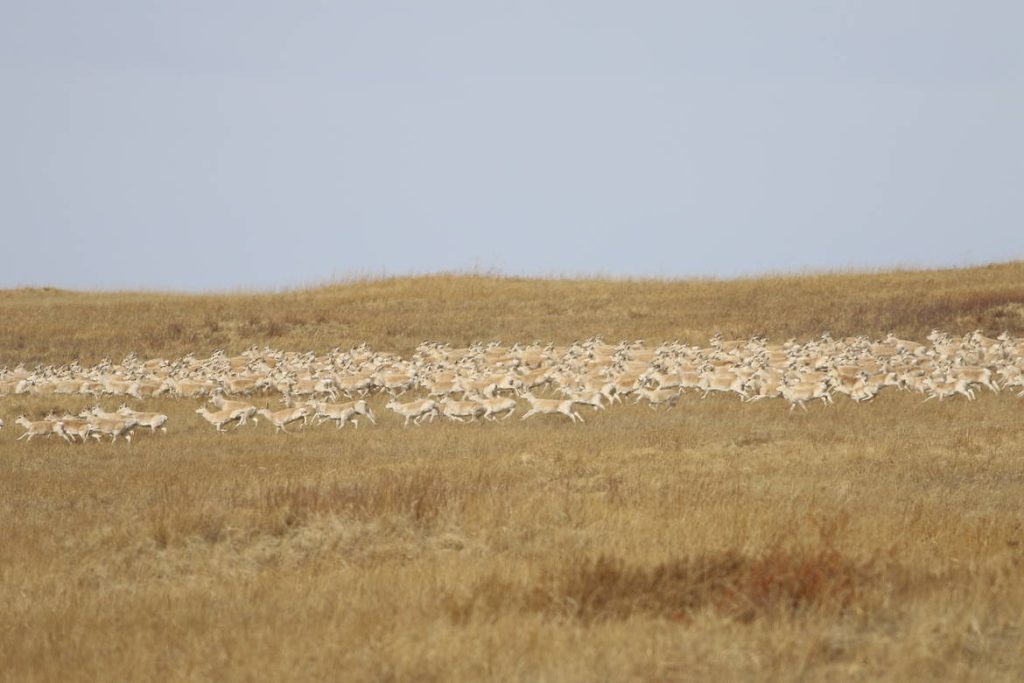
(716, 541)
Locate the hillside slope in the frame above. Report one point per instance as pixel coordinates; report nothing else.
(395, 314)
(718, 540)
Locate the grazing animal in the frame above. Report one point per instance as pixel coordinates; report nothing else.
(941, 389)
(341, 413)
(154, 421)
(360, 407)
(122, 426)
(799, 394)
(459, 411)
(348, 384)
(218, 419)
(39, 428)
(242, 410)
(497, 406)
(397, 383)
(659, 397)
(723, 380)
(96, 411)
(551, 406)
(77, 428)
(415, 410)
(976, 375)
(102, 424)
(282, 418)
(594, 399)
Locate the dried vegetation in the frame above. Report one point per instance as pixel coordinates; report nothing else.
(715, 541)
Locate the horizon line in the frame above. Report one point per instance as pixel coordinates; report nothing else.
(366, 277)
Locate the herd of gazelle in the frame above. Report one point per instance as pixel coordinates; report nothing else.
(94, 423)
(487, 381)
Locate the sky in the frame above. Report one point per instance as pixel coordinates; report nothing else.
(211, 145)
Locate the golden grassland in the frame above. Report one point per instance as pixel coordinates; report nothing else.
(718, 540)
(396, 314)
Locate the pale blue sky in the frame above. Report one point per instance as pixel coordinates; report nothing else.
(214, 144)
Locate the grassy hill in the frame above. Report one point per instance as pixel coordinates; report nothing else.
(395, 314)
(717, 541)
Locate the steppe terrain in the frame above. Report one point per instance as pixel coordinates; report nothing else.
(717, 540)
